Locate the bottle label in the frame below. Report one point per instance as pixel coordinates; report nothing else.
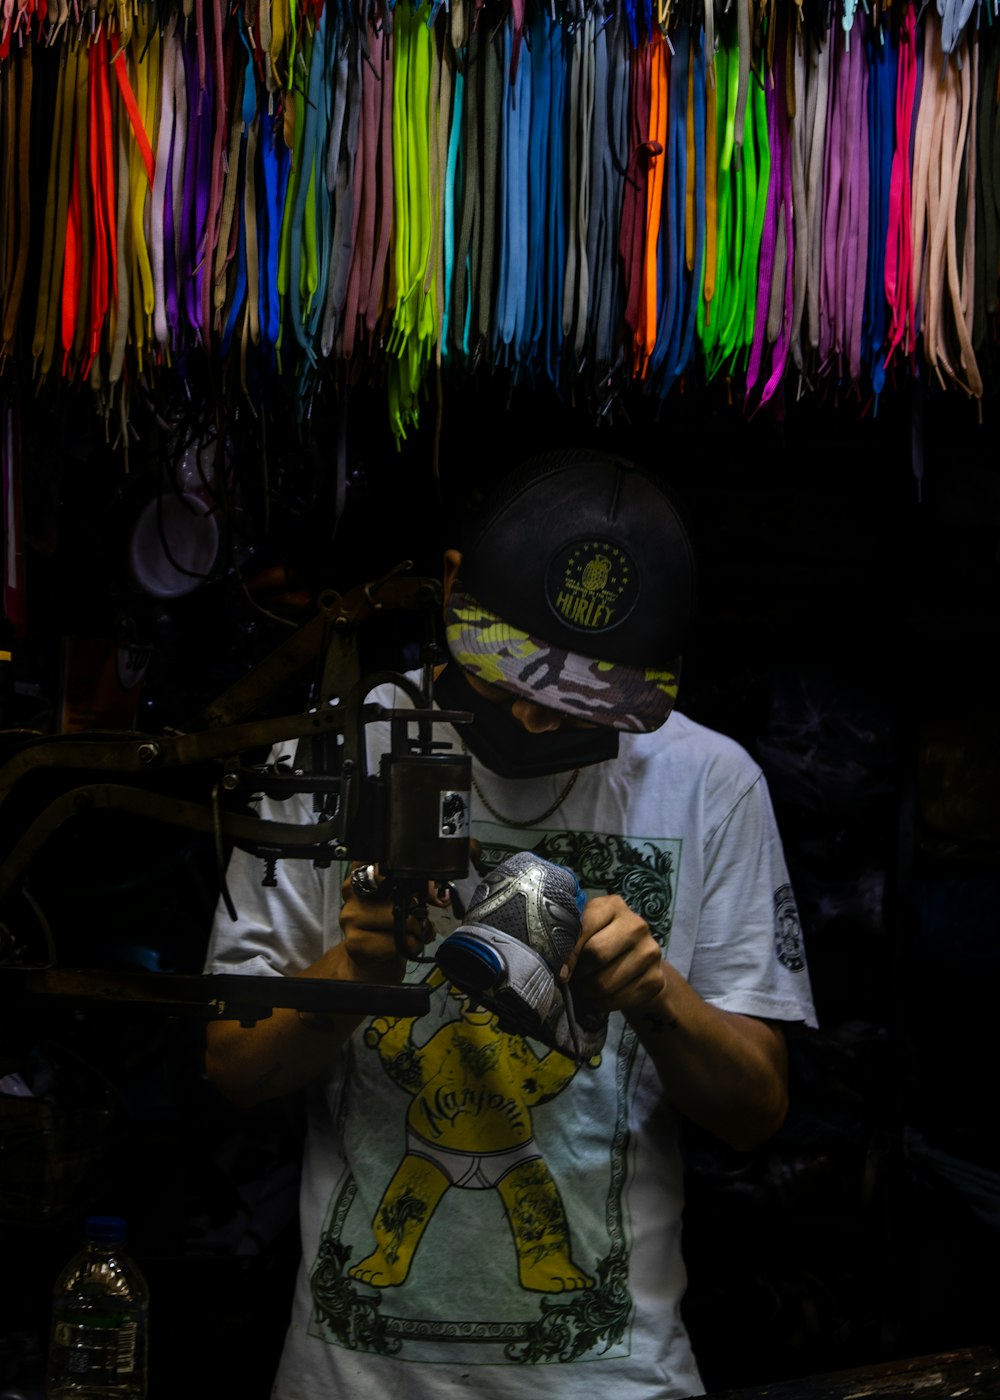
(101, 1353)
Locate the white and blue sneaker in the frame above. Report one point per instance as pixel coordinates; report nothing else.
(521, 925)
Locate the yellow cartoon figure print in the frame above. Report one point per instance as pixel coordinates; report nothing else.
(472, 1088)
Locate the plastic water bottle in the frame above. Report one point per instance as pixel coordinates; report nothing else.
(100, 1320)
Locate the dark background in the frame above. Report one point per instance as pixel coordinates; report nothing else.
(847, 634)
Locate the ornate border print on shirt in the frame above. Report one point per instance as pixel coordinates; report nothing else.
(474, 1154)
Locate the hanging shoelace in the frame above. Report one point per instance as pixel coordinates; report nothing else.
(576, 291)
(713, 312)
(342, 179)
(898, 283)
(947, 267)
(686, 213)
(592, 197)
(817, 117)
(770, 281)
(987, 198)
(529, 129)
(306, 191)
(238, 258)
(882, 68)
(15, 114)
(515, 172)
(409, 346)
(658, 286)
(605, 182)
(642, 152)
(555, 215)
(440, 203)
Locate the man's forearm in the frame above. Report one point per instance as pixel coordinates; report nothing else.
(727, 1073)
(286, 1050)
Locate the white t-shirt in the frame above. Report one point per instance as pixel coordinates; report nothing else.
(504, 1208)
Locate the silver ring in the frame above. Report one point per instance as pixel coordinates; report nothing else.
(364, 881)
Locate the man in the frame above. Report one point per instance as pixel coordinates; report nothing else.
(476, 1203)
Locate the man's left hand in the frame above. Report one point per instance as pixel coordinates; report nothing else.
(617, 963)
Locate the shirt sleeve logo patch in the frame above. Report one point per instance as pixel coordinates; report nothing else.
(788, 930)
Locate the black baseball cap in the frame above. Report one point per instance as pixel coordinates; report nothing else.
(577, 589)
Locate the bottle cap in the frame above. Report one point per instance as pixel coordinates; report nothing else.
(105, 1229)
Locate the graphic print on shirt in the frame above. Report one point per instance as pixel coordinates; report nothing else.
(788, 944)
(469, 1126)
(458, 1146)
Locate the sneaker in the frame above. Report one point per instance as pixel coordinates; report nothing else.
(521, 925)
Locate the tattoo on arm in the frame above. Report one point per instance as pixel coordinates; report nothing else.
(656, 1023)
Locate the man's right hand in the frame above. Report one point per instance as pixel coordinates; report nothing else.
(374, 946)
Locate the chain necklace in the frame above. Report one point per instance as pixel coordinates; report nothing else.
(529, 821)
